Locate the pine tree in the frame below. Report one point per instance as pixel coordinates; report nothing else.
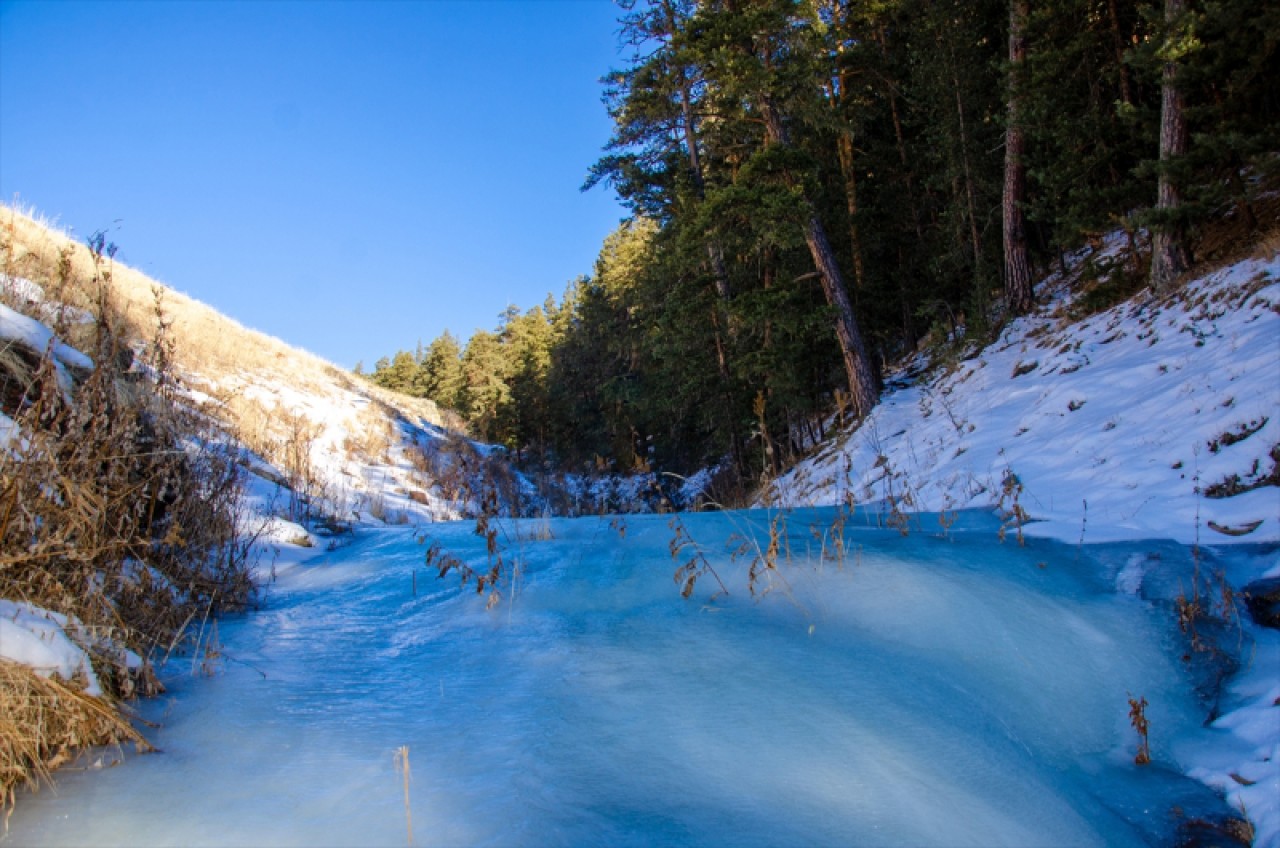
(758, 52)
(441, 371)
(485, 391)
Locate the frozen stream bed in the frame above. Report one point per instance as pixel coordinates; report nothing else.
(916, 691)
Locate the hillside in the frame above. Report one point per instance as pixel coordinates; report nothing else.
(346, 450)
(877, 676)
(1153, 418)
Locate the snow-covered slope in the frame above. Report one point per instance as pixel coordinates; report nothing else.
(347, 450)
(1154, 419)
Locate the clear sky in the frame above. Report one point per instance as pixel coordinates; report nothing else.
(349, 177)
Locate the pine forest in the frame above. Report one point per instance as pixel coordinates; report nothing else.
(819, 188)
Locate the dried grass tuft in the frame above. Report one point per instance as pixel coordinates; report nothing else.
(44, 722)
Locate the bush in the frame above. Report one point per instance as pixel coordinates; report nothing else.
(118, 500)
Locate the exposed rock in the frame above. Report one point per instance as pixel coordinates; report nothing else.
(1263, 600)
(1225, 833)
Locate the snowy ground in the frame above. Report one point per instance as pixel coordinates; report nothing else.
(1114, 428)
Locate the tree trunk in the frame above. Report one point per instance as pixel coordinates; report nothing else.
(1168, 249)
(901, 142)
(688, 128)
(862, 382)
(845, 147)
(1017, 271)
(857, 366)
(969, 191)
(1117, 41)
(714, 254)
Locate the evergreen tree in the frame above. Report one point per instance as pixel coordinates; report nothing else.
(527, 340)
(399, 374)
(802, 166)
(440, 371)
(485, 392)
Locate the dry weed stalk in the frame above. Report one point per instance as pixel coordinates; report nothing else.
(402, 766)
(1011, 512)
(306, 487)
(764, 562)
(1138, 718)
(832, 545)
(686, 576)
(488, 528)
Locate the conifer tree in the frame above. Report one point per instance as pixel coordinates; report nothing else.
(798, 167)
(485, 391)
(441, 371)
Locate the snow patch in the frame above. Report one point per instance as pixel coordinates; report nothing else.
(16, 327)
(1131, 418)
(37, 638)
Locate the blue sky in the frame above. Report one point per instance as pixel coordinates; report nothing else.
(349, 177)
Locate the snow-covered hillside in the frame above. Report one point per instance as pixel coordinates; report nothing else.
(346, 451)
(1153, 419)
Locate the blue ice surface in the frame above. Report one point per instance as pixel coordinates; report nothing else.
(933, 688)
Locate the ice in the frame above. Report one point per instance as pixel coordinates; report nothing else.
(935, 689)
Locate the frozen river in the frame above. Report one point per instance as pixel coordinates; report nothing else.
(924, 690)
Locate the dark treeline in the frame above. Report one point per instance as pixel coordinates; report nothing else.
(818, 186)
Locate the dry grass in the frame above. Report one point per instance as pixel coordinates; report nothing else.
(44, 721)
(214, 347)
(1227, 238)
(106, 513)
(373, 436)
(212, 343)
(118, 506)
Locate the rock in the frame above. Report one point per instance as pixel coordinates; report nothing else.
(1263, 599)
(1222, 833)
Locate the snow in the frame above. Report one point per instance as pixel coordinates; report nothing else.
(1114, 427)
(347, 486)
(1242, 757)
(16, 327)
(9, 431)
(38, 638)
(31, 299)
